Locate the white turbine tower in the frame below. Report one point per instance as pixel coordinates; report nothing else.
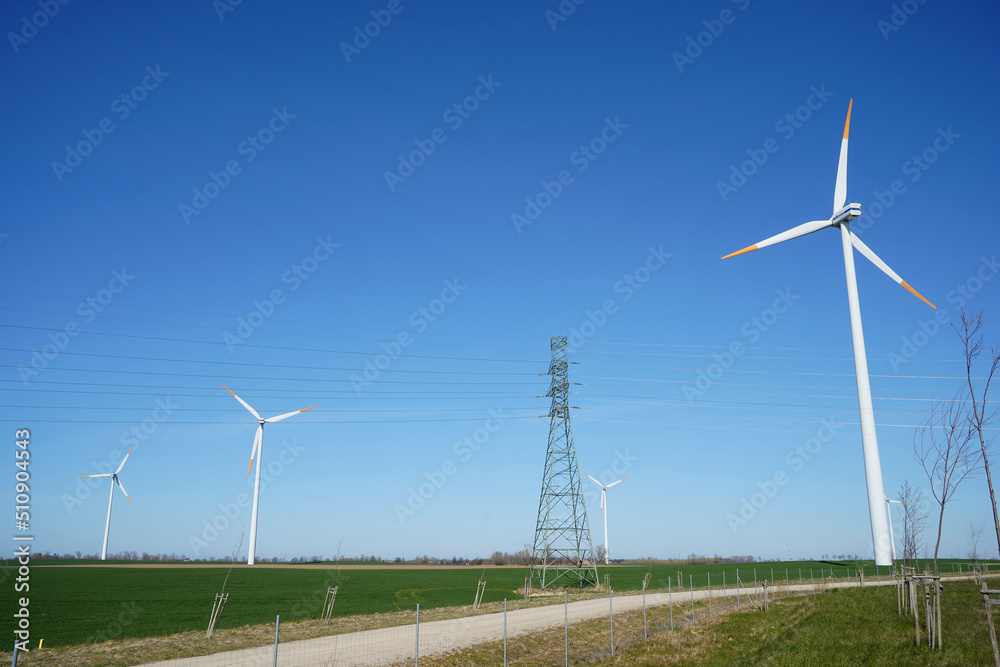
(888, 511)
(111, 497)
(258, 443)
(842, 216)
(604, 512)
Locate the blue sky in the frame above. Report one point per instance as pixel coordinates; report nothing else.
(245, 171)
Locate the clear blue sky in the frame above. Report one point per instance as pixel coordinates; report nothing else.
(294, 133)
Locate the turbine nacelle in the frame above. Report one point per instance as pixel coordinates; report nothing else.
(846, 214)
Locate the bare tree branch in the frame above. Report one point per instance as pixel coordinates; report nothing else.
(979, 416)
(944, 446)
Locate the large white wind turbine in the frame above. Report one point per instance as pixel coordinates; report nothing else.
(111, 497)
(888, 511)
(842, 216)
(604, 512)
(258, 443)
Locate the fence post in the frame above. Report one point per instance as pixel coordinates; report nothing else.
(709, 593)
(670, 600)
(505, 632)
(566, 624)
(724, 596)
(416, 647)
(14, 659)
(611, 619)
(812, 580)
(692, 596)
(645, 628)
(277, 624)
(787, 592)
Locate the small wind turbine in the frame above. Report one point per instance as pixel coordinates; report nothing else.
(258, 443)
(111, 497)
(889, 514)
(842, 216)
(604, 512)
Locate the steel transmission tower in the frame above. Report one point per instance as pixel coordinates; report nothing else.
(563, 551)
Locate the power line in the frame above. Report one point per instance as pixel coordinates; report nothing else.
(262, 365)
(257, 377)
(267, 347)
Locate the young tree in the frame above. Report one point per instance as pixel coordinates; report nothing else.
(914, 520)
(975, 532)
(943, 444)
(970, 332)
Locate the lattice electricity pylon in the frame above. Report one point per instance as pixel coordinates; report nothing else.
(563, 551)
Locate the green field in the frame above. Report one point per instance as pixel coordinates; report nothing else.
(840, 627)
(74, 605)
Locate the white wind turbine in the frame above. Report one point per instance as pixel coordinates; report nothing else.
(258, 442)
(604, 512)
(111, 497)
(888, 511)
(842, 216)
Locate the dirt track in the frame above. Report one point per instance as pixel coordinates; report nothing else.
(394, 645)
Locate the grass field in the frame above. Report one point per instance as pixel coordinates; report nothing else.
(839, 627)
(74, 605)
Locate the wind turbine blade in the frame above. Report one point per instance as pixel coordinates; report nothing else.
(124, 459)
(245, 404)
(618, 482)
(793, 233)
(107, 474)
(840, 191)
(258, 436)
(286, 415)
(119, 483)
(874, 259)
(593, 480)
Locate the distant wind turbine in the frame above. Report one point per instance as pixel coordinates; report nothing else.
(111, 497)
(604, 512)
(842, 216)
(258, 443)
